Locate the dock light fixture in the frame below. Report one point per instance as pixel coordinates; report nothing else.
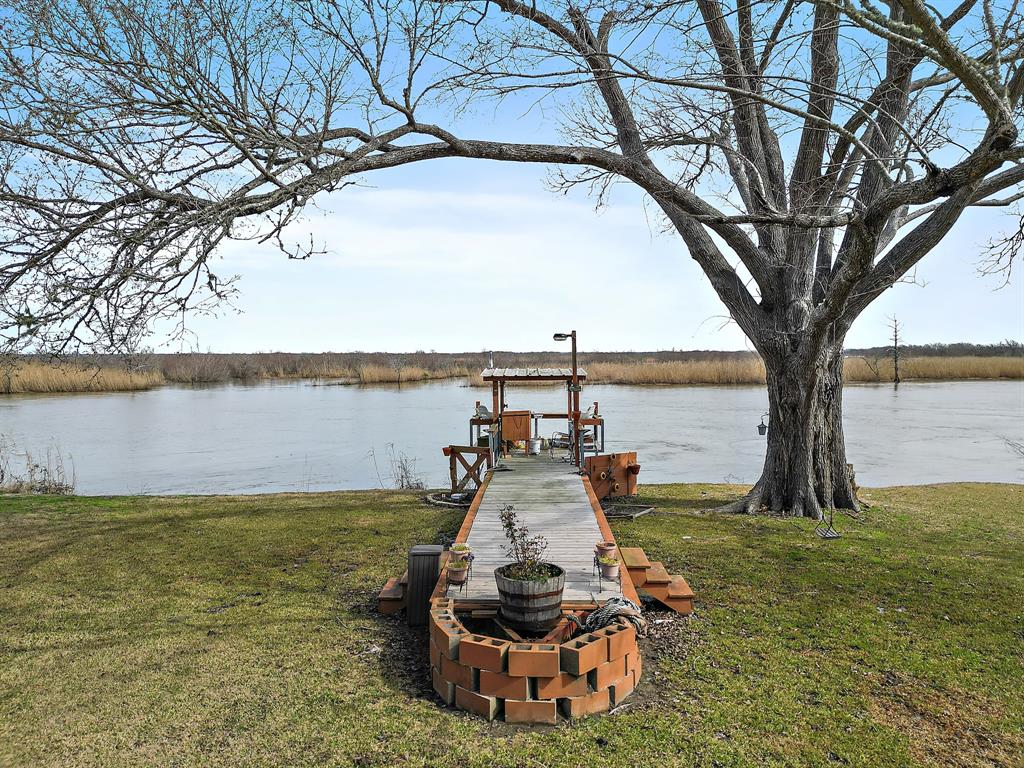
(574, 400)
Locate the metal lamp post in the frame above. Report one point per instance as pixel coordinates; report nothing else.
(575, 389)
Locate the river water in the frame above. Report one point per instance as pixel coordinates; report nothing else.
(303, 436)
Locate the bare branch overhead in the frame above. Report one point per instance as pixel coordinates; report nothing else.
(806, 153)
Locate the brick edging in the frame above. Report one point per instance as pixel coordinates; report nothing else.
(527, 682)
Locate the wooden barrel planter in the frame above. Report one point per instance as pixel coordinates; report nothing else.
(530, 605)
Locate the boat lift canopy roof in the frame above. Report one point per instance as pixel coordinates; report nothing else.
(530, 374)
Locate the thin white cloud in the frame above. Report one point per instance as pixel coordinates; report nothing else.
(449, 232)
(543, 260)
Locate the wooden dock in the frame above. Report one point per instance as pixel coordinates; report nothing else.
(553, 500)
(479, 661)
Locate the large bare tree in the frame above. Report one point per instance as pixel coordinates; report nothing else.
(807, 153)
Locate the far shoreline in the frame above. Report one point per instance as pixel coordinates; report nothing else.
(99, 374)
(319, 382)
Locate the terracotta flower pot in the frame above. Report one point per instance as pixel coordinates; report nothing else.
(610, 571)
(606, 548)
(457, 574)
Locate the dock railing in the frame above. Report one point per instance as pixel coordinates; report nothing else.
(473, 469)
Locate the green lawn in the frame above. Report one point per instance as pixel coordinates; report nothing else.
(241, 631)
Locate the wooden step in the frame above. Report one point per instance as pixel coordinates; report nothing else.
(676, 588)
(681, 605)
(634, 557)
(657, 591)
(392, 590)
(679, 588)
(638, 576)
(404, 581)
(676, 594)
(660, 593)
(656, 574)
(391, 598)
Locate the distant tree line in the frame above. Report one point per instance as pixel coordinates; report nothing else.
(1008, 348)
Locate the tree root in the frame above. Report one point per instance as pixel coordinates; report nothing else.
(754, 503)
(748, 504)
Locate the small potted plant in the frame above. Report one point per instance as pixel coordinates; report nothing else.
(457, 570)
(529, 589)
(606, 548)
(460, 551)
(609, 566)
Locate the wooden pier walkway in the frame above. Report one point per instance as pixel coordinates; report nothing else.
(552, 500)
(479, 662)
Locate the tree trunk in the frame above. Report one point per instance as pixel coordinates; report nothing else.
(805, 466)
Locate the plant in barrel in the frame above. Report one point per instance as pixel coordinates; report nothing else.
(529, 589)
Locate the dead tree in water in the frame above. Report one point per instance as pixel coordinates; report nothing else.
(806, 154)
(894, 326)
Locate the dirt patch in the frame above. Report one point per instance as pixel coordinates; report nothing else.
(670, 637)
(949, 727)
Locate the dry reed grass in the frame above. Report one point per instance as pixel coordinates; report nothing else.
(750, 370)
(729, 371)
(205, 368)
(103, 375)
(860, 369)
(856, 370)
(384, 374)
(34, 376)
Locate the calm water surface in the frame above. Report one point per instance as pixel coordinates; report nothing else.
(306, 437)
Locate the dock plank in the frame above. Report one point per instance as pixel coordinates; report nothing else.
(550, 499)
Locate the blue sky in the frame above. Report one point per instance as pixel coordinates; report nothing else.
(460, 255)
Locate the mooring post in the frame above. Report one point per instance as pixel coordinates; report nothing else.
(424, 570)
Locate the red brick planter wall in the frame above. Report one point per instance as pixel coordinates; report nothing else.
(530, 682)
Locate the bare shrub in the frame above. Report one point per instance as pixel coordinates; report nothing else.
(404, 475)
(525, 551)
(1015, 446)
(403, 472)
(21, 472)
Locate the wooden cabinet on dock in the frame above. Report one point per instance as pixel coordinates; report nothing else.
(515, 426)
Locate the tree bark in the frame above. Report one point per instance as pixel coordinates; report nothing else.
(832, 478)
(805, 469)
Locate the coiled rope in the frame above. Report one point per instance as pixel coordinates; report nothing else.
(616, 609)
